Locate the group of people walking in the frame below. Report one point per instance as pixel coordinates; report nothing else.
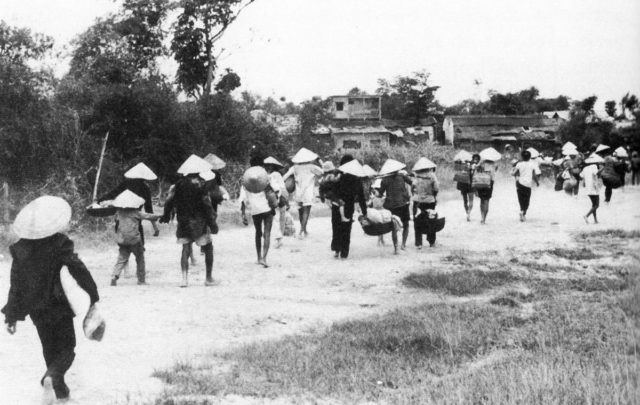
(387, 200)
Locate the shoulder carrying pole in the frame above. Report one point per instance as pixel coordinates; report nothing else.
(95, 185)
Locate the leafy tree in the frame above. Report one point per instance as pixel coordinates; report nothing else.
(24, 108)
(610, 108)
(199, 26)
(407, 97)
(229, 82)
(356, 92)
(629, 102)
(467, 107)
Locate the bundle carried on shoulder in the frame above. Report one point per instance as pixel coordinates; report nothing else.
(290, 184)
(559, 182)
(481, 180)
(610, 177)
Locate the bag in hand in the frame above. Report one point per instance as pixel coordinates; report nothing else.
(94, 324)
(290, 184)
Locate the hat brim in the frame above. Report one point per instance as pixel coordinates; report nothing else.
(42, 217)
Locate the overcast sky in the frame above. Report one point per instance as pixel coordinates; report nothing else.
(301, 48)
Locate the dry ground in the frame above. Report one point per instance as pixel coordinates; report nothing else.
(305, 289)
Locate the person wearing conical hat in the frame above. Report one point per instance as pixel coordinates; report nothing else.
(526, 173)
(590, 176)
(347, 190)
(36, 288)
(394, 186)
(195, 214)
(262, 212)
(572, 166)
(485, 166)
(305, 173)
(425, 191)
(128, 236)
(136, 180)
(273, 167)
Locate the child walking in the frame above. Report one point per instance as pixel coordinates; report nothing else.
(591, 184)
(128, 236)
(36, 289)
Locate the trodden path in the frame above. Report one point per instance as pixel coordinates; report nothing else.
(154, 326)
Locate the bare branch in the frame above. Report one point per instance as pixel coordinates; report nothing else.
(218, 34)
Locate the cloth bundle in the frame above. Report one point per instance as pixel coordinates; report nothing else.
(610, 177)
(462, 177)
(376, 229)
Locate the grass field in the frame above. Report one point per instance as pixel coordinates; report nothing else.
(527, 332)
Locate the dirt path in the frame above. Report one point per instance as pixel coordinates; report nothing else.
(156, 325)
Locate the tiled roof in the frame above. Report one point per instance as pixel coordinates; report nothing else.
(502, 121)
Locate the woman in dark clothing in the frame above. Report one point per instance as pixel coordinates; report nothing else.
(349, 189)
(196, 218)
(36, 289)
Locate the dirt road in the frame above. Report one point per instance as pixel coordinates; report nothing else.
(305, 288)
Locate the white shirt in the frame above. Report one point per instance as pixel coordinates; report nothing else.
(277, 183)
(591, 183)
(305, 175)
(525, 171)
(256, 203)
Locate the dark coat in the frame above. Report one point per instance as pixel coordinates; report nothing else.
(136, 186)
(193, 209)
(35, 277)
(350, 190)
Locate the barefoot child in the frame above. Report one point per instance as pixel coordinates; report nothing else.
(36, 289)
(591, 184)
(128, 236)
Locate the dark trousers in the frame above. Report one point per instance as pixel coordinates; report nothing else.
(58, 340)
(524, 196)
(608, 190)
(431, 237)
(341, 239)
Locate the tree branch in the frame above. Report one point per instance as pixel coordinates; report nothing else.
(218, 34)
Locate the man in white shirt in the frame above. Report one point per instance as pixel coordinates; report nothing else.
(526, 172)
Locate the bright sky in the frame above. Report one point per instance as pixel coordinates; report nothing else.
(301, 48)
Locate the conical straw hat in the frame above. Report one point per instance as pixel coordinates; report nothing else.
(194, 165)
(463, 156)
(369, 171)
(304, 155)
(621, 152)
(534, 153)
(215, 162)
(353, 167)
(140, 171)
(570, 151)
(391, 166)
(42, 217)
(207, 175)
(601, 147)
(255, 179)
(423, 164)
(128, 199)
(594, 158)
(272, 161)
(558, 162)
(569, 144)
(490, 154)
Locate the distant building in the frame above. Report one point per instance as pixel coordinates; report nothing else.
(356, 108)
(476, 132)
